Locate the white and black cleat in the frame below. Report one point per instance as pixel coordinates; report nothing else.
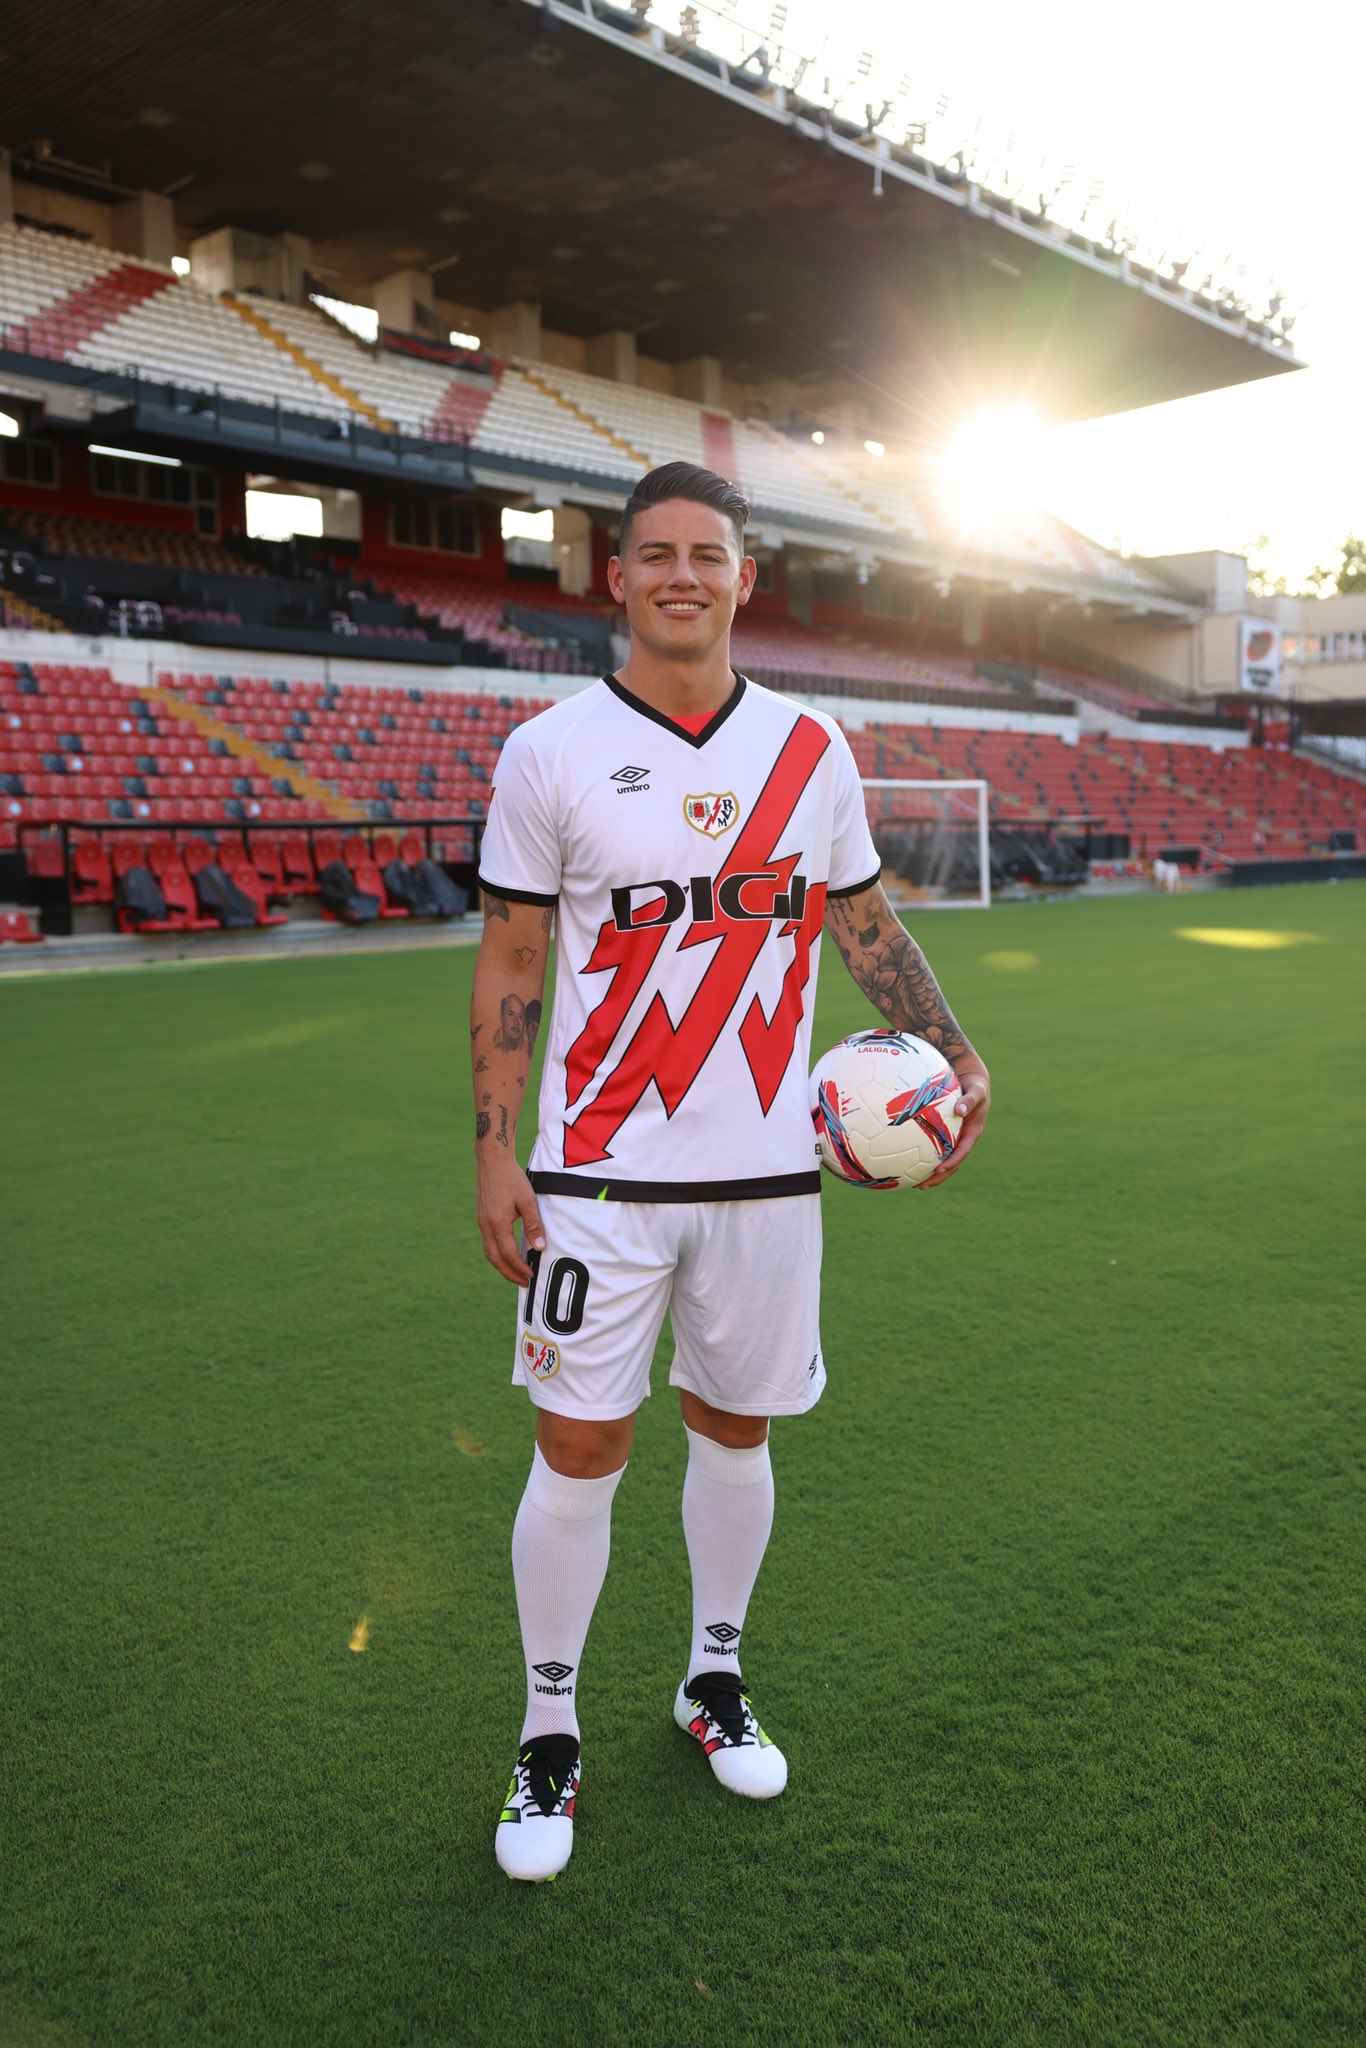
(714, 1709)
(535, 1831)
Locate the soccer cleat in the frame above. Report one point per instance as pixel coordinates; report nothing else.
(535, 1831)
(714, 1708)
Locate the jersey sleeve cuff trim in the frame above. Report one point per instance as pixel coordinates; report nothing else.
(854, 888)
(515, 895)
(590, 1188)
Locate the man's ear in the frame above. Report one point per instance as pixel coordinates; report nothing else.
(616, 582)
(749, 570)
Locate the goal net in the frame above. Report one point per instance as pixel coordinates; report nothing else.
(933, 839)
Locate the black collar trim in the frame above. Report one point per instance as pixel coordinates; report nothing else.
(691, 739)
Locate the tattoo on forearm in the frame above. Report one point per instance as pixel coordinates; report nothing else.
(481, 1064)
(896, 977)
(487, 1097)
(503, 1125)
(547, 920)
(475, 1030)
(511, 1033)
(496, 906)
(481, 1123)
(526, 954)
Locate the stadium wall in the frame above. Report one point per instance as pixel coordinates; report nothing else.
(378, 550)
(74, 497)
(1169, 656)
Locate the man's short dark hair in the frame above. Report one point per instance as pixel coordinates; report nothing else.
(686, 480)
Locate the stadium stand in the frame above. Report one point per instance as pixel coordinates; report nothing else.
(197, 757)
(563, 421)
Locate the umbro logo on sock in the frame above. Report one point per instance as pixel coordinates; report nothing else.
(725, 1635)
(554, 1673)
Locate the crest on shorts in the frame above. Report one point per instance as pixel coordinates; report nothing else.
(540, 1357)
(711, 813)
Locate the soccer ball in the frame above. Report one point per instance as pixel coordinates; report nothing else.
(882, 1103)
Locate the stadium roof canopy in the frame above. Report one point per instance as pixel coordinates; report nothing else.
(559, 153)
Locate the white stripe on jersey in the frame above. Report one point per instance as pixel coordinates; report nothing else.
(690, 874)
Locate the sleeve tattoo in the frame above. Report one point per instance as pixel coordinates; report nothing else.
(895, 976)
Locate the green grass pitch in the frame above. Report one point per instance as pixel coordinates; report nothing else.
(1061, 1626)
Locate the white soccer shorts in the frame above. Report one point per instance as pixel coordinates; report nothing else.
(740, 1281)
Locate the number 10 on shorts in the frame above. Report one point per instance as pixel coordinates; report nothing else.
(563, 1297)
(563, 1294)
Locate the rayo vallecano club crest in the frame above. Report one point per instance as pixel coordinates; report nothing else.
(710, 813)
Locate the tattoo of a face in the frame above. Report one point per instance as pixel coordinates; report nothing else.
(503, 1125)
(481, 1123)
(496, 906)
(511, 1033)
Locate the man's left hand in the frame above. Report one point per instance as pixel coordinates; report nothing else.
(974, 1101)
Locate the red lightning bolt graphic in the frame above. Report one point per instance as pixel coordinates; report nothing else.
(673, 1055)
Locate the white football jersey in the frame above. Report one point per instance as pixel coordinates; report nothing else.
(690, 875)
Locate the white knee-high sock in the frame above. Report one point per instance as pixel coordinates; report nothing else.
(560, 1542)
(727, 1516)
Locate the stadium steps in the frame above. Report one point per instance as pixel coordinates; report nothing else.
(243, 748)
(309, 363)
(71, 320)
(581, 413)
(824, 473)
(462, 408)
(19, 612)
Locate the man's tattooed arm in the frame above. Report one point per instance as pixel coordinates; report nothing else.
(891, 970)
(505, 1017)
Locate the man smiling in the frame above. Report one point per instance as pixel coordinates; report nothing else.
(673, 1168)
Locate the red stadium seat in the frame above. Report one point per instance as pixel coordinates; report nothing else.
(244, 877)
(265, 858)
(15, 927)
(44, 858)
(197, 854)
(92, 879)
(300, 875)
(128, 853)
(182, 906)
(368, 877)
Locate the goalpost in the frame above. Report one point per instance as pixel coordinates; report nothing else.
(934, 839)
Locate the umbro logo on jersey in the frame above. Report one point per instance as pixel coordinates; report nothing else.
(630, 781)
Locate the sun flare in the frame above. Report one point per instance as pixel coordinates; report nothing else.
(993, 466)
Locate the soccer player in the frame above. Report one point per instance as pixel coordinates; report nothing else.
(691, 835)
